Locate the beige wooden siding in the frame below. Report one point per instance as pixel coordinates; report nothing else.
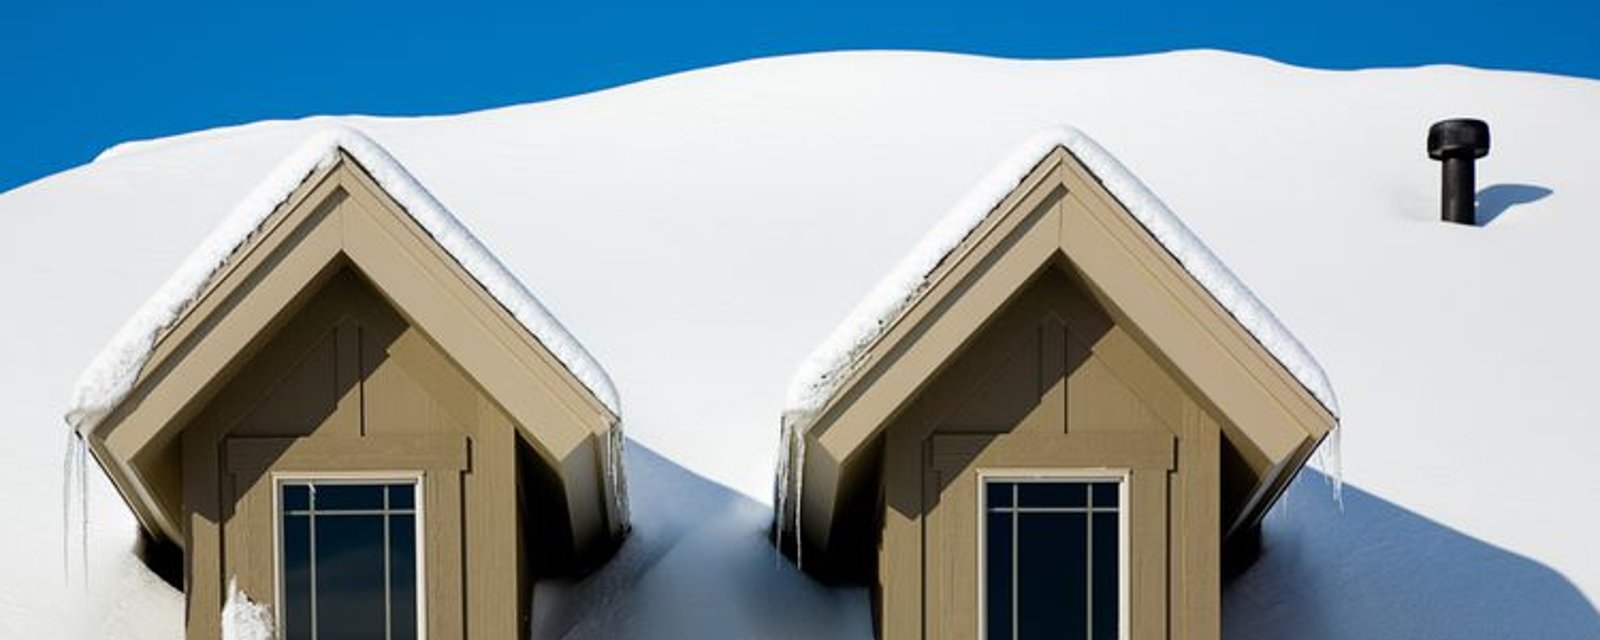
(347, 385)
(1051, 383)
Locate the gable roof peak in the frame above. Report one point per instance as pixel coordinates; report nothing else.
(115, 370)
(832, 362)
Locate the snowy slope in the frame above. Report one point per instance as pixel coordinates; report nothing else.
(738, 213)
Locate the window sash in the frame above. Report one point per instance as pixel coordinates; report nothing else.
(1005, 546)
(392, 512)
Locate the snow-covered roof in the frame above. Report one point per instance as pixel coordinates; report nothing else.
(831, 363)
(739, 212)
(112, 373)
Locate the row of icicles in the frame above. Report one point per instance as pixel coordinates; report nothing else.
(791, 462)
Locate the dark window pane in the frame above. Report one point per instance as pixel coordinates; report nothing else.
(402, 496)
(1052, 589)
(350, 600)
(1106, 576)
(403, 575)
(331, 497)
(1105, 494)
(997, 565)
(296, 575)
(1051, 494)
(296, 497)
(998, 494)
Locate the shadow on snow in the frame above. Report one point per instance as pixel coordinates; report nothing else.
(1495, 200)
(699, 563)
(1378, 571)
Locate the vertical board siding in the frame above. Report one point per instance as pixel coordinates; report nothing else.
(397, 409)
(1094, 400)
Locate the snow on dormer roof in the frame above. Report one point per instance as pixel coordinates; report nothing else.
(832, 362)
(114, 370)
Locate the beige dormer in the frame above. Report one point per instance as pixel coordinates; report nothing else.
(351, 425)
(1061, 429)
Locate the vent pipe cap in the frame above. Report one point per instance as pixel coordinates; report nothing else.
(1458, 138)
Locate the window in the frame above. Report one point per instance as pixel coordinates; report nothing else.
(1052, 558)
(348, 560)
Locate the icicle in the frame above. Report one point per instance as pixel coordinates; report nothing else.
(66, 506)
(83, 506)
(791, 474)
(75, 492)
(615, 442)
(1330, 458)
(781, 499)
(799, 496)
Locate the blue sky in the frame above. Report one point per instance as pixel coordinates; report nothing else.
(78, 78)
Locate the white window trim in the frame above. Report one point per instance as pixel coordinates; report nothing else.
(349, 477)
(1122, 476)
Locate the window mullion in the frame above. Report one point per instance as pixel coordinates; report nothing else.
(388, 611)
(1015, 596)
(1088, 563)
(311, 517)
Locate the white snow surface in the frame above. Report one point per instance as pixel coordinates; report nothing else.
(830, 364)
(732, 216)
(112, 372)
(244, 618)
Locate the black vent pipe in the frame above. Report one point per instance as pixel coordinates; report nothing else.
(1457, 143)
